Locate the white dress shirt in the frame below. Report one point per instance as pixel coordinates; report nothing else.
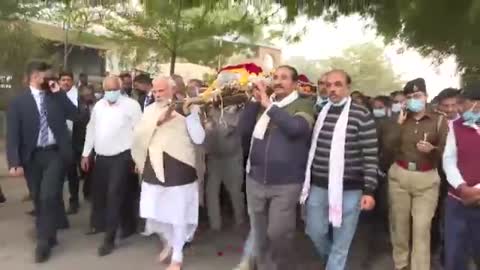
(110, 130)
(72, 94)
(450, 159)
(36, 95)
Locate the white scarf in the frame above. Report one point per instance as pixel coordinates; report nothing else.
(262, 123)
(171, 137)
(264, 120)
(336, 163)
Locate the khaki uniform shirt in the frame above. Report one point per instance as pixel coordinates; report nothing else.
(433, 127)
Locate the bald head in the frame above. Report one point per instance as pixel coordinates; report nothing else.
(111, 83)
(163, 88)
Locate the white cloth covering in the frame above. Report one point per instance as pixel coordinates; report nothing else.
(168, 209)
(264, 120)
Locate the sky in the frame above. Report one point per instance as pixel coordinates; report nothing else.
(323, 40)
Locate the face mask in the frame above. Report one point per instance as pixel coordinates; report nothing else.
(415, 105)
(112, 96)
(396, 107)
(339, 104)
(320, 101)
(471, 117)
(379, 113)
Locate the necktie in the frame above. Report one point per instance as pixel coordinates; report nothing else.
(43, 134)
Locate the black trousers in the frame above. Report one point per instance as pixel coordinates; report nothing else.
(46, 173)
(130, 208)
(74, 180)
(110, 190)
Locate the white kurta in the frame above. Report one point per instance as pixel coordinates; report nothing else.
(167, 207)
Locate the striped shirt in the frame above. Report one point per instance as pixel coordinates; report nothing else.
(361, 150)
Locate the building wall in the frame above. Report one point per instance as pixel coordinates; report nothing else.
(267, 57)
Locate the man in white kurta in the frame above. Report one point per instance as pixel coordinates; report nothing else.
(164, 152)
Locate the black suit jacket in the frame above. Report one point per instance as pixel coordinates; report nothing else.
(141, 100)
(79, 129)
(23, 126)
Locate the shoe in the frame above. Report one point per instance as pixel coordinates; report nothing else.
(2, 197)
(125, 235)
(52, 242)
(106, 249)
(73, 209)
(42, 254)
(92, 231)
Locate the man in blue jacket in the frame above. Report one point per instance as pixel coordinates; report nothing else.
(282, 125)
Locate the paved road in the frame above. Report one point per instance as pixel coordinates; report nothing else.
(209, 251)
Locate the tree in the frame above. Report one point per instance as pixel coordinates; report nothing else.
(311, 68)
(437, 28)
(370, 71)
(74, 17)
(190, 30)
(18, 46)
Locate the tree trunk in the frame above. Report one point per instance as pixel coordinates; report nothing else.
(173, 56)
(65, 51)
(173, 59)
(65, 46)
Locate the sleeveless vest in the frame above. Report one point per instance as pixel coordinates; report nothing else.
(468, 153)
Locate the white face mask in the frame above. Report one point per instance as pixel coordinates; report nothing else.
(396, 107)
(341, 103)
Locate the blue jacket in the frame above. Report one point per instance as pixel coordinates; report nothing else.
(281, 157)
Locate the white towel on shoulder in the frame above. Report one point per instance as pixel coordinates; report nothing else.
(336, 163)
(264, 120)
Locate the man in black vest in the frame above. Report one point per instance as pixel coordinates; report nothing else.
(39, 146)
(142, 92)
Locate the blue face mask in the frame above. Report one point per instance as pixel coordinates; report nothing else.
(470, 117)
(379, 113)
(112, 96)
(415, 105)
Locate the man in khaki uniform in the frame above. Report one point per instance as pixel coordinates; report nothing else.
(413, 179)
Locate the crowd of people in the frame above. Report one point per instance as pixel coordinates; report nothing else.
(143, 150)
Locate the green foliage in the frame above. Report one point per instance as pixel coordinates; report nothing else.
(18, 47)
(370, 71)
(12, 9)
(188, 30)
(75, 18)
(435, 27)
